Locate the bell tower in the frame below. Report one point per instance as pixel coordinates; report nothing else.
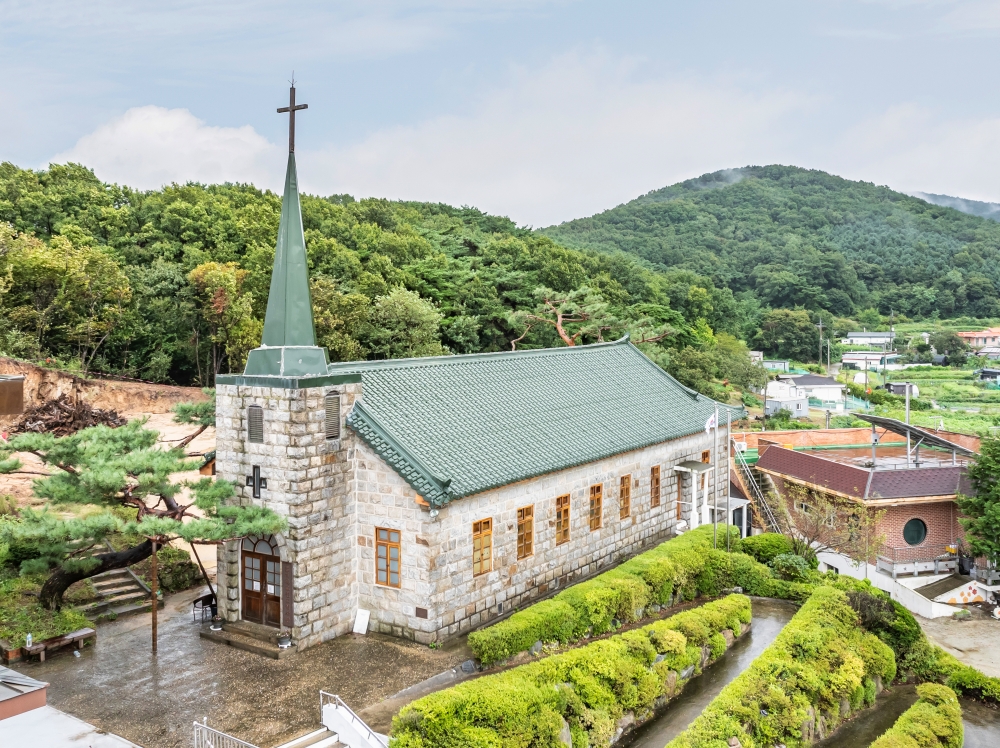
(279, 441)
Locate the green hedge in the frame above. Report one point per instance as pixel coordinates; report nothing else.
(935, 721)
(766, 546)
(621, 594)
(820, 658)
(585, 690)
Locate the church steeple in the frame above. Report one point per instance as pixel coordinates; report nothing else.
(288, 346)
(289, 319)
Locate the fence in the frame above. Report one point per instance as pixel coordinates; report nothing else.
(356, 723)
(207, 737)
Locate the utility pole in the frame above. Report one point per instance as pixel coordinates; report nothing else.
(153, 588)
(820, 359)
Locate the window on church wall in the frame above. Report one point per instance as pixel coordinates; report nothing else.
(525, 531)
(706, 457)
(680, 493)
(654, 486)
(625, 497)
(562, 519)
(332, 416)
(596, 506)
(387, 557)
(255, 424)
(482, 547)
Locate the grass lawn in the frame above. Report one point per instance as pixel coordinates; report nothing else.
(21, 613)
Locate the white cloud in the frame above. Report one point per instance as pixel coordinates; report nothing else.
(150, 146)
(577, 136)
(910, 149)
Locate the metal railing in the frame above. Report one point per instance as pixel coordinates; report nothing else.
(757, 499)
(334, 700)
(207, 737)
(909, 554)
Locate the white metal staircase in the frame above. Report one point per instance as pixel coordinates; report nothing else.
(756, 495)
(342, 728)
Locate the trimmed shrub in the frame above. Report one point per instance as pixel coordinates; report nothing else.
(935, 721)
(674, 568)
(790, 567)
(821, 657)
(766, 546)
(589, 688)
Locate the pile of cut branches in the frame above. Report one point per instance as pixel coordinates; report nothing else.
(62, 417)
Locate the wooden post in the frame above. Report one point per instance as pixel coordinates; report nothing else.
(153, 588)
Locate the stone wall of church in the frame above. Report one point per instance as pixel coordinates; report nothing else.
(335, 493)
(307, 482)
(437, 572)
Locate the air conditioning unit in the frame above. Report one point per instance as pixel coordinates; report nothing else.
(740, 446)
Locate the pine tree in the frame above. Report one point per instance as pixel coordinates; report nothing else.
(982, 509)
(105, 470)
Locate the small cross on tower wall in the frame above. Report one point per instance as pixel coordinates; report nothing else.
(291, 109)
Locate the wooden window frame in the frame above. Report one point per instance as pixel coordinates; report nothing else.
(596, 506)
(482, 530)
(388, 544)
(562, 519)
(706, 458)
(680, 494)
(625, 497)
(525, 531)
(654, 486)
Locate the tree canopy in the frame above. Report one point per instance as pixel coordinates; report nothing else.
(804, 238)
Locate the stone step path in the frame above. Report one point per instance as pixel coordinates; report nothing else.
(120, 593)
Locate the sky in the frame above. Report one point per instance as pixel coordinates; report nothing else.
(541, 110)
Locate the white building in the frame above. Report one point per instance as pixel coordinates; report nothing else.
(883, 340)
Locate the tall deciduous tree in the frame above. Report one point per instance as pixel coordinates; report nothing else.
(228, 309)
(102, 469)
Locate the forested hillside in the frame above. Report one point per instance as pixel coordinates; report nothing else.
(795, 237)
(171, 285)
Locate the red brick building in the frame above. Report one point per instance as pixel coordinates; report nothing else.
(914, 491)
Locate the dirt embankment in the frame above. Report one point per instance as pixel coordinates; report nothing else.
(128, 398)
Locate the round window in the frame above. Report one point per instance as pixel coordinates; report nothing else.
(914, 531)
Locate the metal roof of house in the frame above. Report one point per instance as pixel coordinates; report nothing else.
(813, 380)
(454, 426)
(13, 683)
(865, 484)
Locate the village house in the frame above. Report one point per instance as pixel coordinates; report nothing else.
(913, 489)
(980, 338)
(436, 494)
(883, 340)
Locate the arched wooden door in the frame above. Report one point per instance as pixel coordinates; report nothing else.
(261, 567)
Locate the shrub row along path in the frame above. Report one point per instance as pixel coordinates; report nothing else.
(118, 687)
(981, 722)
(769, 618)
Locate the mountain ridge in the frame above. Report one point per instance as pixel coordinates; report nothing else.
(799, 237)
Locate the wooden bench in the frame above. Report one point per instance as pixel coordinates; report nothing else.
(79, 638)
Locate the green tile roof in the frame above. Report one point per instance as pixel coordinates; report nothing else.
(453, 426)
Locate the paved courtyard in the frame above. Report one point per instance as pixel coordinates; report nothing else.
(120, 688)
(973, 642)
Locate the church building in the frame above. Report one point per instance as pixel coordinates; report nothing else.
(438, 494)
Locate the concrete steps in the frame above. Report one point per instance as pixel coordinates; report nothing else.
(247, 643)
(119, 593)
(321, 738)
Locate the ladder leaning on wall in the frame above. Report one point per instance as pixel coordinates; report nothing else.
(757, 499)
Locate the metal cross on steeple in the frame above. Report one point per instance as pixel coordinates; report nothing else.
(291, 109)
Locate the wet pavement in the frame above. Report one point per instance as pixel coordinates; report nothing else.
(119, 687)
(769, 618)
